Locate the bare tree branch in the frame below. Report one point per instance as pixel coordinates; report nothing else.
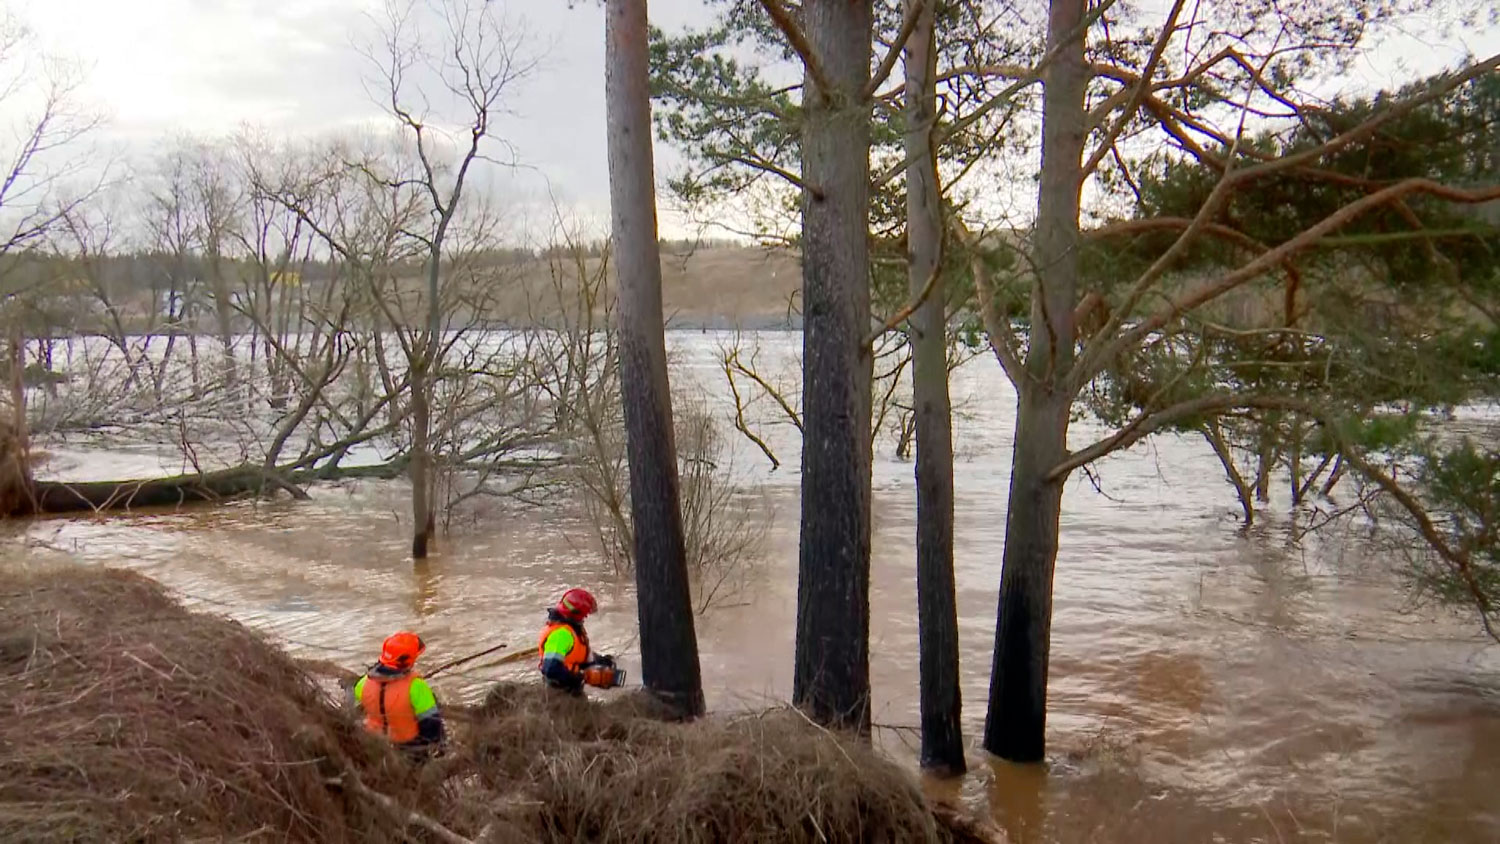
(767, 167)
(883, 70)
(1025, 79)
(1147, 423)
(905, 311)
(1002, 337)
(1139, 90)
(800, 45)
(739, 415)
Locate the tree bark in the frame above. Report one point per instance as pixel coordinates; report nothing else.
(421, 457)
(423, 390)
(194, 368)
(831, 680)
(1016, 722)
(669, 643)
(937, 609)
(1015, 726)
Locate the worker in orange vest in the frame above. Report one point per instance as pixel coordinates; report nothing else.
(563, 652)
(396, 702)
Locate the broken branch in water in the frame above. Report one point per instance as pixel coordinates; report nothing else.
(967, 825)
(463, 659)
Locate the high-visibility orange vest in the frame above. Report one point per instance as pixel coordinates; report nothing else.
(576, 657)
(387, 706)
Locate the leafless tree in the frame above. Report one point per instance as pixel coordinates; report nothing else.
(35, 195)
(474, 62)
(38, 166)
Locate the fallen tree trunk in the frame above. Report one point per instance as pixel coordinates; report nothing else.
(390, 470)
(58, 497)
(20, 495)
(44, 497)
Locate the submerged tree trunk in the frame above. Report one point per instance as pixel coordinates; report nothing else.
(1269, 454)
(59, 497)
(832, 672)
(74, 497)
(423, 390)
(422, 517)
(669, 643)
(937, 610)
(1016, 722)
(1015, 726)
(1214, 433)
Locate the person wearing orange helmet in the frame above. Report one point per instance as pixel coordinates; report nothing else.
(563, 653)
(396, 702)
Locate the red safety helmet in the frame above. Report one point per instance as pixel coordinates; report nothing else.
(576, 604)
(401, 650)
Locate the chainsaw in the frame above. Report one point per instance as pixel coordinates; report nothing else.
(603, 674)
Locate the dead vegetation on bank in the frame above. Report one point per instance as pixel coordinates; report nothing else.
(129, 718)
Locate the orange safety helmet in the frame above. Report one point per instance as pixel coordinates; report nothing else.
(401, 650)
(576, 604)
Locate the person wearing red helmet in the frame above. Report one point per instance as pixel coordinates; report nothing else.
(563, 652)
(396, 702)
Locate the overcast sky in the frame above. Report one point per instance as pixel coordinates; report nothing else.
(158, 67)
(163, 67)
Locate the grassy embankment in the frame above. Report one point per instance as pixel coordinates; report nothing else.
(130, 718)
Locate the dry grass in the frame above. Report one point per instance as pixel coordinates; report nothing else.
(584, 771)
(129, 718)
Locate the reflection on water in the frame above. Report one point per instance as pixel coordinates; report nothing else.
(427, 577)
(1205, 685)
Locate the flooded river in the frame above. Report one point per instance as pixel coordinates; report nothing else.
(1205, 685)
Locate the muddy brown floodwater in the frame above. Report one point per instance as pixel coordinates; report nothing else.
(1205, 685)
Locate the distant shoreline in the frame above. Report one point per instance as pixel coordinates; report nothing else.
(678, 327)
